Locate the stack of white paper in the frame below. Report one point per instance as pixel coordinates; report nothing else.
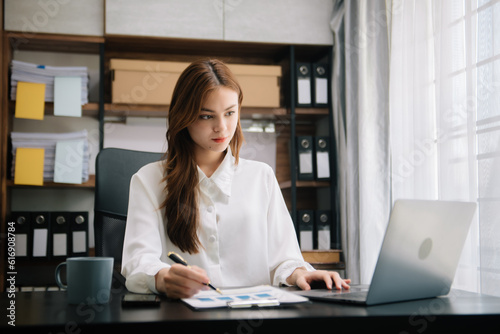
(28, 72)
(66, 154)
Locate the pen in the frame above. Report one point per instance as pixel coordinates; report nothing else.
(178, 259)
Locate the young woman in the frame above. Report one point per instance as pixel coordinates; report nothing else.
(224, 215)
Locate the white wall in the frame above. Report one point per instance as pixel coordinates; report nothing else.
(277, 21)
(164, 18)
(73, 17)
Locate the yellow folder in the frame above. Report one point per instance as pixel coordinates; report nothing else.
(29, 166)
(30, 100)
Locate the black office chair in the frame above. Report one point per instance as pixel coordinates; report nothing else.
(114, 169)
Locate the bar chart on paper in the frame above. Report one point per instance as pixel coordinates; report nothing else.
(250, 296)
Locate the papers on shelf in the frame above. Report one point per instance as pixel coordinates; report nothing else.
(69, 163)
(28, 72)
(250, 296)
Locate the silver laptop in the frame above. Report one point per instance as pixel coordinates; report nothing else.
(419, 255)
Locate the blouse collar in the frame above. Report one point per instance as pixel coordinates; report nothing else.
(223, 175)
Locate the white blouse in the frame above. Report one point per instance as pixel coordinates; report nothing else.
(246, 232)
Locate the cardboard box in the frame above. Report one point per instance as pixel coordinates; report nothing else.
(260, 84)
(143, 81)
(153, 82)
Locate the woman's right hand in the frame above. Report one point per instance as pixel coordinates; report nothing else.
(180, 281)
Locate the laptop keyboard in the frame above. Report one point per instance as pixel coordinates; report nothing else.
(358, 295)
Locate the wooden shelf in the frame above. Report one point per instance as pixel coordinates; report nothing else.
(54, 42)
(90, 109)
(135, 110)
(324, 259)
(190, 49)
(305, 184)
(312, 111)
(254, 111)
(148, 110)
(90, 184)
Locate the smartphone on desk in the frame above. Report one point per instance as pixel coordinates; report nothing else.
(140, 300)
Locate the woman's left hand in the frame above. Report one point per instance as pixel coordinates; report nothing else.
(303, 279)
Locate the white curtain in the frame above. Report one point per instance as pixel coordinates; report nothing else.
(361, 122)
(445, 115)
(434, 133)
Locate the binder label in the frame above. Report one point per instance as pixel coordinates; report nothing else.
(304, 90)
(59, 245)
(79, 241)
(323, 165)
(40, 237)
(305, 163)
(21, 246)
(321, 91)
(324, 239)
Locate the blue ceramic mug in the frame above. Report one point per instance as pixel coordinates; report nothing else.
(88, 279)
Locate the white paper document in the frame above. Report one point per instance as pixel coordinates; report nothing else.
(68, 96)
(68, 165)
(212, 299)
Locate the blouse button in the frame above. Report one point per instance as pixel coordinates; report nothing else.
(212, 238)
(210, 209)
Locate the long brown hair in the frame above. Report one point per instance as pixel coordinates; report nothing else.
(195, 83)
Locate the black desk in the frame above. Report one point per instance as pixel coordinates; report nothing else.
(459, 312)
